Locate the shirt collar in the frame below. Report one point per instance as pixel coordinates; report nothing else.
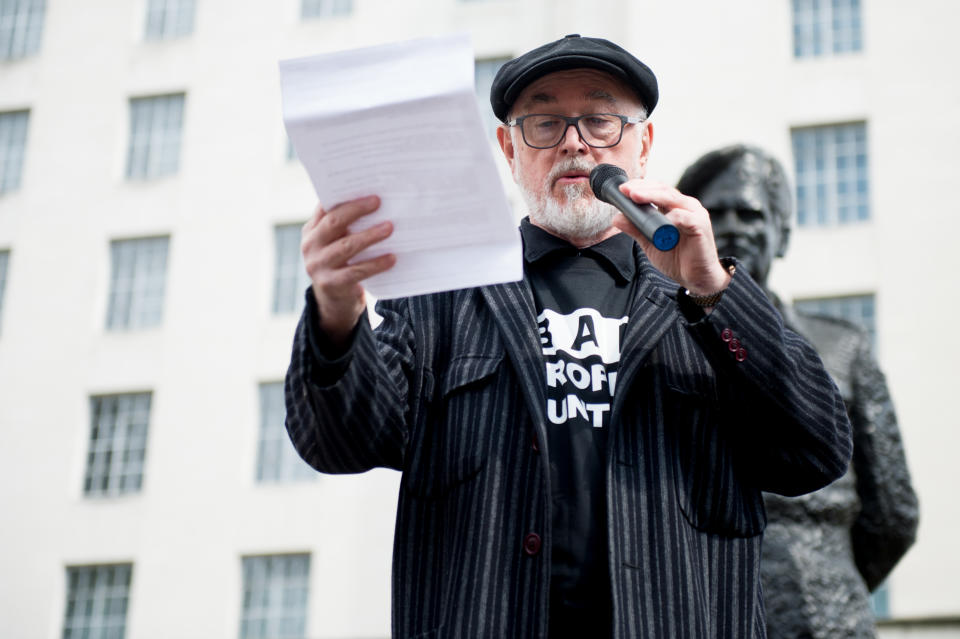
(616, 251)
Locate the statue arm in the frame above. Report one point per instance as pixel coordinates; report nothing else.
(887, 524)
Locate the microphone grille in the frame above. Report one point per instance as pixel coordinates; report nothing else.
(601, 174)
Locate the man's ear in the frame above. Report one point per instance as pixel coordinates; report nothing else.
(646, 142)
(506, 144)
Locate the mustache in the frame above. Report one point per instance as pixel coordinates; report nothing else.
(742, 240)
(737, 246)
(568, 165)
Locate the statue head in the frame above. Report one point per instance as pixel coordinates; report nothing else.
(745, 189)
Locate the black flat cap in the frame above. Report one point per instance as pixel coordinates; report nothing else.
(571, 52)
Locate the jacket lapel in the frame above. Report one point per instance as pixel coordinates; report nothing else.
(513, 310)
(652, 314)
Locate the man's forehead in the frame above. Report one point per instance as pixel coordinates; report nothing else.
(736, 194)
(740, 183)
(588, 85)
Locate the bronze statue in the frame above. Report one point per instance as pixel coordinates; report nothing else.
(822, 552)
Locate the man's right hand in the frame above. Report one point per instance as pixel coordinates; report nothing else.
(328, 246)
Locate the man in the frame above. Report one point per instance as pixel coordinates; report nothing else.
(824, 551)
(582, 451)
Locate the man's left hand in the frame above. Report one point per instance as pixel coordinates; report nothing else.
(693, 263)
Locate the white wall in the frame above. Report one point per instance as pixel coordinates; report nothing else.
(920, 631)
(727, 74)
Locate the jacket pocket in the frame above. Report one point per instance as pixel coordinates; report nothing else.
(453, 440)
(710, 494)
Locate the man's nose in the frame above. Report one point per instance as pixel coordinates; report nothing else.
(725, 220)
(572, 142)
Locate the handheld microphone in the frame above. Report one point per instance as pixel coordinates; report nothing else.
(605, 180)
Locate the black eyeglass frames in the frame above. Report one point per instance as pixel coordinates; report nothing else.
(546, 130)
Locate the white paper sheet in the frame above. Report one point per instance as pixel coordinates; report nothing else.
(400, 121)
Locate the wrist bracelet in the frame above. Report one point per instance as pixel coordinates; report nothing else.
(711, 299)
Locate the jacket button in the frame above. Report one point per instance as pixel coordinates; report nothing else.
(531, 544)
(726, 335)
(733, 345)
(741, 354)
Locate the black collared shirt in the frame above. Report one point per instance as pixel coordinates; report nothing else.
(582, 299)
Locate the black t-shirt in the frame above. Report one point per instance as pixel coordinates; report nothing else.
(582, 298)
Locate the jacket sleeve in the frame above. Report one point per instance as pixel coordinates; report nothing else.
(887, 524)
(783, 409)
(348, 414)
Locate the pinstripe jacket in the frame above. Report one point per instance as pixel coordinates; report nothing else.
(450, 389)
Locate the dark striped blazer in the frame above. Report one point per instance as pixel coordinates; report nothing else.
(450, 389)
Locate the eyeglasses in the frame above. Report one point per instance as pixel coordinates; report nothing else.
(599, 130)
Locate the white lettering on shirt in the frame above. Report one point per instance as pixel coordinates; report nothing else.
(582, 354)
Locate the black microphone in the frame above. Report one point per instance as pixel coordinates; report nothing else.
(605, 180)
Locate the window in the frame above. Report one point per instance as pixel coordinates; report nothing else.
(822, 27)
(325, 8)
(859, 309)
(118, 444)
(155, 127)
(21, 23)
(168, 19)
(880, 601)
(484, 71)
(832, 174)
(290, 277)
(275, 596)
(97, 599)
(13, 140)
(4, 260)
(277, 460)
(137, 281)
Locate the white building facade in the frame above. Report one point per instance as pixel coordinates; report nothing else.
(150, 281)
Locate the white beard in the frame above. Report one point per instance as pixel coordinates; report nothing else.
(581, 217)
